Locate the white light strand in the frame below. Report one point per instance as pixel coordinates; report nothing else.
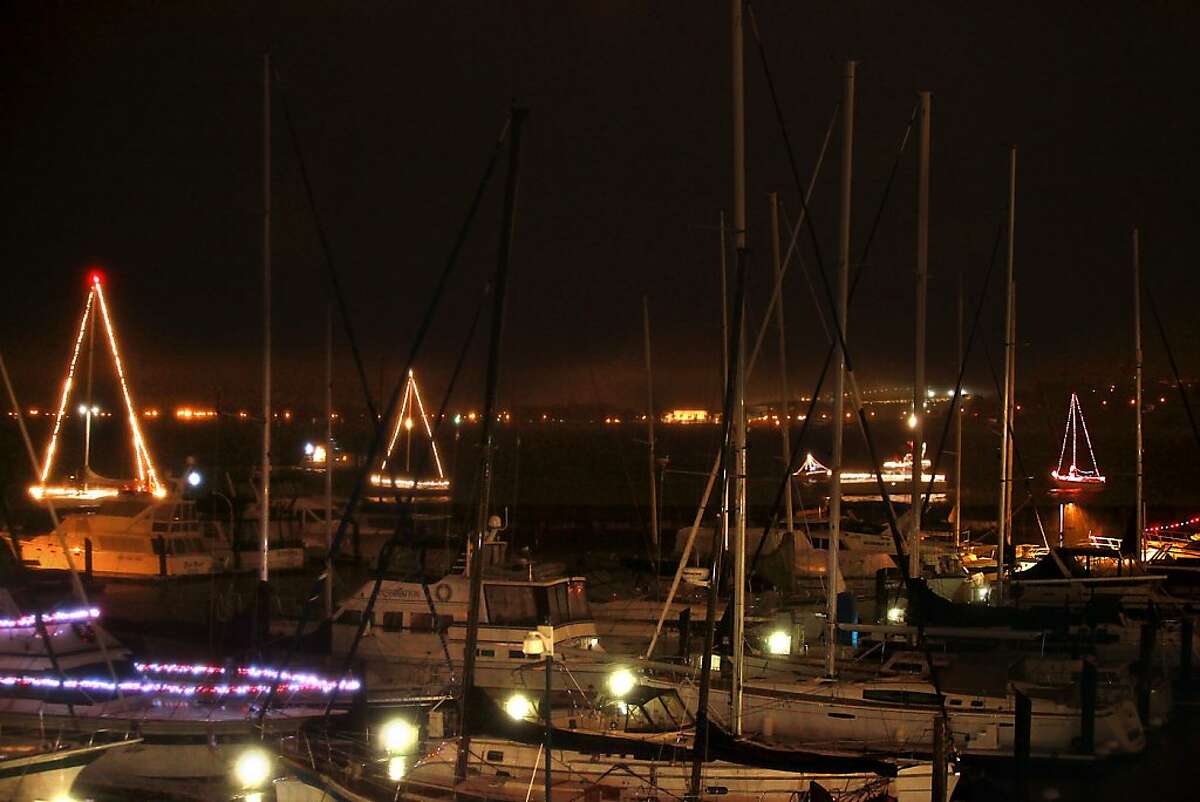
(1066, 433)
(428, 431)
(399, 421)
(145, 466)
(66, 391)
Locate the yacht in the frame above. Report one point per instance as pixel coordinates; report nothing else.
(413, 640)
(892, 710)
(136, 535)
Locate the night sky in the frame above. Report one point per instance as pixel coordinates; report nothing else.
(133, 141)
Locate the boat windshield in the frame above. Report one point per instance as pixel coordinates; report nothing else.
(659, 711)
(534, 605)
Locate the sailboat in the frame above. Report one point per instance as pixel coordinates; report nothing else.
(88, 487)
(1069, 476)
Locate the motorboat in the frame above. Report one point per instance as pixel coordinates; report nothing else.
(135, 535)
(414, 637)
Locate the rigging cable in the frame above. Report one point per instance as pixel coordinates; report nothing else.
(356, 494)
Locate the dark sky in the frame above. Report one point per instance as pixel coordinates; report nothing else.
(133, 134)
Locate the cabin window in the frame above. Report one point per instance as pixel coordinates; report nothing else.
(393, 621)
(485, 652)
(427, 622)
(568, 602)
(494, 756)
(902, 697)
(512, 605)
(353, 617)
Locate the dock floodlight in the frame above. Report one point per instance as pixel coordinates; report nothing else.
(621, 682)
(779, 642)
(398, 736)
(253, 768)
(518, 707)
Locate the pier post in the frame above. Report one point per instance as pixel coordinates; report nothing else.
(939, 759)
(162, 555)
(1087, 707)
(1021, 746)
(87, 558)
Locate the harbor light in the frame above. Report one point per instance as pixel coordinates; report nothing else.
(309, 448)
(398, 736)
(895, 615)
(397, 768)
(194, 478)
(252, 769)
(912, 420)
(779, 642)
(621, 682)
(518, 707)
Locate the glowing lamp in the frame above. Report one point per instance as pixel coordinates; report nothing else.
(895, 615)
(398, 736)
(309, 448)
(252, 769)
(621, 682)
(912, 421)
(319, 453)
(779, 642)
(396, 769)
(518, 707)
(95, 276)
(83, 410)
(194, 478)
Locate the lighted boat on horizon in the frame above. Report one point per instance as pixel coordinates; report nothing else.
(1070, 477)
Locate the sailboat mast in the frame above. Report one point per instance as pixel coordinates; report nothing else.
(784, 393)
(739, 407)
(958, 428)
(650, 431)
(87, 412)
(1002, 517)
(839, 375)
(264, 513)
(922, 285)
(1139, 503)
(475, 543)
(328, 460)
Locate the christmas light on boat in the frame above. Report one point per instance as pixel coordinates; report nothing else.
(56, 617)
(147, 477)
(405, 421)
(1073, 478)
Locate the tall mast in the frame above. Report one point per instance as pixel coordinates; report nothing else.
(958, 427)
(475, 544)
(87, 412)
(784, 411)
(724, 306)
(650, 429)
(264, 513)
(739, 407)
(839, 375)
(328, 459)
(922, 282)
(1002, 519)
(1139, 502)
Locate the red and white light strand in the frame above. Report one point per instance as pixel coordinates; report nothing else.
(57, 617)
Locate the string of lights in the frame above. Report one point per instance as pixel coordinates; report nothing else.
(57, 617)
(147, 476)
